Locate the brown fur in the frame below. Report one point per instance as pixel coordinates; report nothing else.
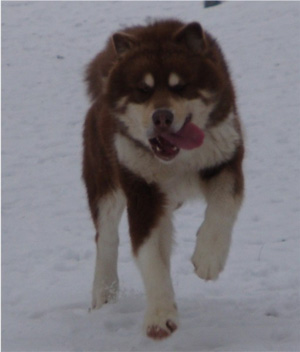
(145, 204)
(160, 37)
(99, 158)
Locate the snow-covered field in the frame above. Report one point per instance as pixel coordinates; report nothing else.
(47, 236)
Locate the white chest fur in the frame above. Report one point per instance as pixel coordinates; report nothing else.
(179, 178)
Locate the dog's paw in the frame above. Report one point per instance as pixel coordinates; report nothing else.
(103, 294)
(208, 267)
(209, 259)
(160, 323)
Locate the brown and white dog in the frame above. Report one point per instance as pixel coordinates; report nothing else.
(163, 127)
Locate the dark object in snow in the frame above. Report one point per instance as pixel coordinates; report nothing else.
(59, 57)
(211, 3)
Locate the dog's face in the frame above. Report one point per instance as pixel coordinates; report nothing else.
(163, 92)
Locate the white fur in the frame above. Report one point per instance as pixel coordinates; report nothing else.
(149, 80)
(174, 79)
(106, 281)
(219, 145)
(137, 120)
(206, 94)
(214, 235)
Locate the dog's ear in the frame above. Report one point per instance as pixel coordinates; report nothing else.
(193, 36)
(123, 42)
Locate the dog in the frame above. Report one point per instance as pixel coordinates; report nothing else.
(163, 127)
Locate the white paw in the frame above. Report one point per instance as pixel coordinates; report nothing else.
(161, 322)
(210, 257)
(104, 293)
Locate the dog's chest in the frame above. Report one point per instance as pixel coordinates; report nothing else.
(181, 187)
(179, 181)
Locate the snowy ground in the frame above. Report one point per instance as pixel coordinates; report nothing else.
(47, 236)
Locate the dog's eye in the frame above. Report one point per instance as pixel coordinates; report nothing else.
(178, 88)
(144, 89)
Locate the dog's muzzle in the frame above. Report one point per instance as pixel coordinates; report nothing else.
(166, 142)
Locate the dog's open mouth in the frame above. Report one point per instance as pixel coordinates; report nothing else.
(163, 149)
(167, 145)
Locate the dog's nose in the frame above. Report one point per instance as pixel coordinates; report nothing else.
(162, 118)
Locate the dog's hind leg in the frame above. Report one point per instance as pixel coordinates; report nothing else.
(106, 283)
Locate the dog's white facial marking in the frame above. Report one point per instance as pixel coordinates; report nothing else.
(149, 80)
(121, 102)
(205, 93)
(137, 120)
(174, 79)
(206, 96)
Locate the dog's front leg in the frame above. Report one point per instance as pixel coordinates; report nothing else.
(151, 236)
(224, 196)
(153, 259)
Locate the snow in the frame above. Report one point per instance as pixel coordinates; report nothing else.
(47, 235)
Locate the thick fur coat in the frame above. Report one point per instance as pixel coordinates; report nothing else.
(163, 127)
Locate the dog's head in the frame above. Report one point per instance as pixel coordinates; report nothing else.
(164, 85)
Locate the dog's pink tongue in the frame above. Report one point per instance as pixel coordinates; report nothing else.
(188, 137)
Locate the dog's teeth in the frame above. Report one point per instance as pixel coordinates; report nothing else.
(158, 148)
(174, 148)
